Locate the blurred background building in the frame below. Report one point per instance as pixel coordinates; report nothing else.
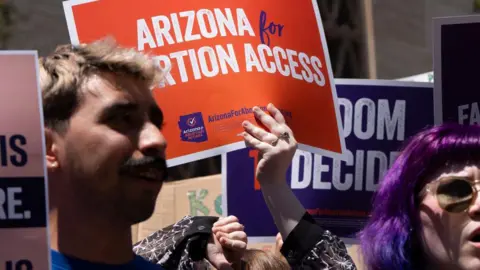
(378, 39)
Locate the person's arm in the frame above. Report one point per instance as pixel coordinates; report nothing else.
(284, 206)
(309, 246)
(306, 245)
(305, 242)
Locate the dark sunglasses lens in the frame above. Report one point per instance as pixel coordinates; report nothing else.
(455, 195)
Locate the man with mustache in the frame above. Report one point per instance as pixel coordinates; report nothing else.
(105, 156)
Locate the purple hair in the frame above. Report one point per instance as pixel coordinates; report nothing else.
(390, 240)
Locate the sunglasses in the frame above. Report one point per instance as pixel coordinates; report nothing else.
(454, 194)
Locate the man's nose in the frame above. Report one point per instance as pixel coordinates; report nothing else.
(152, 141)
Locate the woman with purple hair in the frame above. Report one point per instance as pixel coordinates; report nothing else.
(426, 213)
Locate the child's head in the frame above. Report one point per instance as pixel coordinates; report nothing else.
(256, 259)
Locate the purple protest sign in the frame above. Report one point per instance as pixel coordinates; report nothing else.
(377, 117)
(456, 57)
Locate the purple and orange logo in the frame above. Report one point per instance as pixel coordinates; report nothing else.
(191, 122)
(192, 128)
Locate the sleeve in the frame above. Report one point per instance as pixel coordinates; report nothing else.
(179, 246)
(309, 246)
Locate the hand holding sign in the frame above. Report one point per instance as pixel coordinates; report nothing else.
(276, 146)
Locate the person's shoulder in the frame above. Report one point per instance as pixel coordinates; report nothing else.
(59, 261)
(63, 262)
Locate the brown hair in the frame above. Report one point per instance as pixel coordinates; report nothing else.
(256, 259)
(63, 72)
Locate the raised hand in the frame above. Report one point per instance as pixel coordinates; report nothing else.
(276, 146)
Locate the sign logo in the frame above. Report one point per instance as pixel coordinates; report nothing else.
(192, 128)
(191, 122)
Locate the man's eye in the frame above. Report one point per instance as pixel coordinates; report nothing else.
(125, 120)
(120, 118)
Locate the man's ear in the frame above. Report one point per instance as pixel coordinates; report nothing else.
(51, 153)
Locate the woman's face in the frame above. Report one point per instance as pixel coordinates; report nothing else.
(449, 238)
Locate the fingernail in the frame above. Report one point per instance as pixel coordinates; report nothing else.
(245, 123)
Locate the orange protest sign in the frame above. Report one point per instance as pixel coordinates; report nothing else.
(224, 58)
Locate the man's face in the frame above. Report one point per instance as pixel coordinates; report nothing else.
(113, 153)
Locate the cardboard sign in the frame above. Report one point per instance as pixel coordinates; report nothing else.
(456, 58)
(378, 116)
(424, 77)
(200, 196)
(23, 201)
(224, 58)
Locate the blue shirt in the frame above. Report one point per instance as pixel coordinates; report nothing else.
(63, 262)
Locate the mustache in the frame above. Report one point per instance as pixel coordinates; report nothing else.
(149, 161)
